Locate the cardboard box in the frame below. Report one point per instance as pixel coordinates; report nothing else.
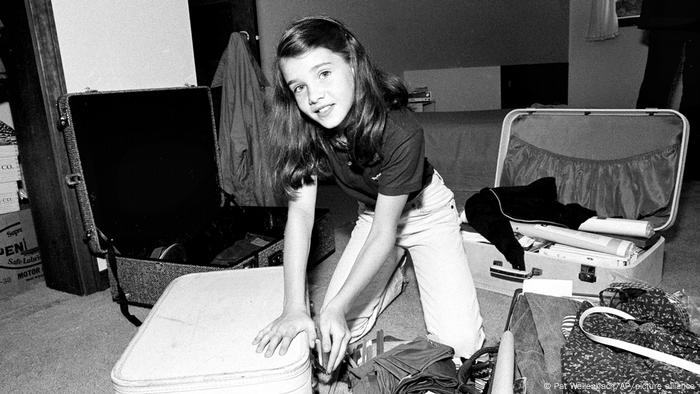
(20, 262)
(9, 163)
(9, 197)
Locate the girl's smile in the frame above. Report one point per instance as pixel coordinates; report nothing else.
(322, 83)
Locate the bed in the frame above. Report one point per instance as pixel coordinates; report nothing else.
(463, 147)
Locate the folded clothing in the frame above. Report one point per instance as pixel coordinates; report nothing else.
(490, 211)
(416, 367)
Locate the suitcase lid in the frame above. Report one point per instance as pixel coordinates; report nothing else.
(199, 335)
(619, 162)
(144, 163)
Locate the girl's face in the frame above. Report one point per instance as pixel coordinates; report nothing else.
(322, 83)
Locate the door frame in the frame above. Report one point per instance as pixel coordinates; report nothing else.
(36, 82)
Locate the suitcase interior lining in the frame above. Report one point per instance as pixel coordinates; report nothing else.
(596, 137)
(149, 164)
(619, 166)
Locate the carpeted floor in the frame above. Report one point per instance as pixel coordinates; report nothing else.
(54, 342)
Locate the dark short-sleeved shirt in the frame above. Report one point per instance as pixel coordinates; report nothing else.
(403, 168)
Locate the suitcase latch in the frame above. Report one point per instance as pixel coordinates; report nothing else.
(587, 274)
(74, 179)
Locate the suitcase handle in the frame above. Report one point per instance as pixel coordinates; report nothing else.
(512, 275)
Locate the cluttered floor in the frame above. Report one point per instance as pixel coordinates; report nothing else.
(678, 277)
(56, 342)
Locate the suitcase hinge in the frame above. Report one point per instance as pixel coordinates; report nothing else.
(62, 122)
(88, 236)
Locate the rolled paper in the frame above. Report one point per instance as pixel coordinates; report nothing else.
(631, 227)
(580, 239)
(503, 374)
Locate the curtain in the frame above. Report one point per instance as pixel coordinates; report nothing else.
(602, 24)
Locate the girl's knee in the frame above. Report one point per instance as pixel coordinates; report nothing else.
(465, 342)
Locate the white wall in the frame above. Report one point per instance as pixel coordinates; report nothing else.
(603, 74)
(124, 44)
(459, 89)
(404, 35)
(5, 114)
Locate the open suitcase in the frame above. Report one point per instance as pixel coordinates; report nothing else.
(145, 169)
(620, 163)
(197, 338)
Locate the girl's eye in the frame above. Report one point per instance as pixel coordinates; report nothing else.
(324, 74)
(298, 89)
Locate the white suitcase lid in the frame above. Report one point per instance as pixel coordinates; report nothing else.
(199, 334)
(600, 135)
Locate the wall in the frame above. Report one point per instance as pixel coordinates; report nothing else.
(124, 44)
(108, 44)
(603, 74)
(459, 89)
(411, 35)
(405, 35)
(5, 114)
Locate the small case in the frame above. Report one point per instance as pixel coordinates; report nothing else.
(198, 338)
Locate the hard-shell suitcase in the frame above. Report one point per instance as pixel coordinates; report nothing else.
(145, 169)
(197, 338)
(619, 163)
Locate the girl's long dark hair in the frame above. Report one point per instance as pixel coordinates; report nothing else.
(298, 145)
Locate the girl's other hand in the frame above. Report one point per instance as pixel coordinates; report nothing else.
(282, 331)
(335, 335)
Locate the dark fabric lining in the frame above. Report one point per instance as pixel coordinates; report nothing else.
(636, 187)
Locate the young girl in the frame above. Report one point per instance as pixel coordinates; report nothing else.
(332, 111)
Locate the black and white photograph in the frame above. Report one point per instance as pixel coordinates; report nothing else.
(349, 197)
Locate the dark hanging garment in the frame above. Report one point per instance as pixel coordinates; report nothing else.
(673, 38)
(491, 210)
(242, 126)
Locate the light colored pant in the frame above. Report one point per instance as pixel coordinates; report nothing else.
(429, 230)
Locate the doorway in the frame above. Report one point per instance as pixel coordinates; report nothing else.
(35, 81)
(212, 23)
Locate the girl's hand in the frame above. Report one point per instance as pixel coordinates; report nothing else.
(335, 334)
(282, 330)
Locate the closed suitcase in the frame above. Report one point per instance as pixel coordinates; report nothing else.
(144, 165)
(620, 163)
(197, 338)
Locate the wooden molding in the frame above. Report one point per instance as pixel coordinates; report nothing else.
(36, 81)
